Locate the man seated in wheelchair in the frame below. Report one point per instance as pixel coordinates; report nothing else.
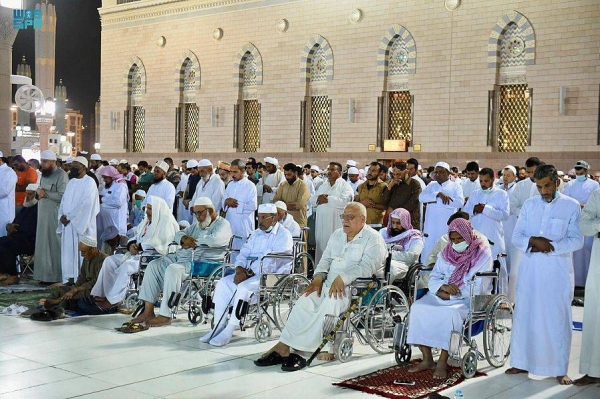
(210, 231)
(445, 307)
(234, 289)
(287, 220)
(154, 233)
(406, 243)
(354, 251)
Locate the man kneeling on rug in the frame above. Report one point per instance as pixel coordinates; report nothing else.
(446, 306)
(354, 251)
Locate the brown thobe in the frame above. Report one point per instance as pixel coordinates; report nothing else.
(375, 194)
(405, 195)
(86, 280)
(297, 194)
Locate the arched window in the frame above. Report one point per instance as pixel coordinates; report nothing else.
(188, 112)
(134, 134)
(248, 77)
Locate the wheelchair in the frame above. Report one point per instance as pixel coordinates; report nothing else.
(132, 301)
(491, 314)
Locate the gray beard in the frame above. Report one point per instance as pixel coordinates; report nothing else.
(206, 223)
(29, 204)
(206, 178)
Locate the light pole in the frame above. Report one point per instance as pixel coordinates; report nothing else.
(44, 119)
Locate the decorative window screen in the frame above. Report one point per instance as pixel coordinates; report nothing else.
(318, 66)
(514, 118)
(320, 123)
(139, 129)
(399, 115)
(189, 75)
(512, 50)
(190, 127)
(136, 81)
(251, 126)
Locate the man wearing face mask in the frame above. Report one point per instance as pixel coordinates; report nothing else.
(162, 187)
(286, 220)
(581, 189)
(77, 215)
(270, 237)
(137, 214)
(489, 208)
(210, 185)
(547, 233)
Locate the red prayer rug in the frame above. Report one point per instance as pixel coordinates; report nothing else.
(381, 382)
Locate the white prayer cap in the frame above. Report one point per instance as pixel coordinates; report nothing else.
(192, 163)
(113, 162)
(443, 165)
(353, 171)
(83, 152)
(109, 233)
(204, 201)
(95, 157)
(163, 165)
(184, 223)
(351, 162)
(141, 193)
(89, 241)
(133, 166)
(204, 162)
(272, 161)
(582, 164)
(1, 154)
(81, 160)
(511, 168)
(419, 167)
(281, 205)
(560, 173)
(31, 187)
(267, 208)
(315, 168)
(122, 161)
(69, 160)
(48, 155)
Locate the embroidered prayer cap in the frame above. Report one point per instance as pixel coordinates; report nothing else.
(281, 205)
(353, 171)
(141, 193)
(184, 224)
(109, 233)
(225, 166)
(351, 162)
(111, 172)
(582, 164)
(48, 155)
(204, 162)
(272, 161)
(163, 165)
(89, 241)
(95, 157)
(32, 187)
(113, 162)
(192, 163)
(81, 160)
(267, 208)
(315, 168)
(443, 165)
(511, 168)
(204, 201)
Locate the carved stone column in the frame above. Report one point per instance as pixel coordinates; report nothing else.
(7, 38)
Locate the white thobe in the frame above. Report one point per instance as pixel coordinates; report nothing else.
(490, 223)
(213, 188)
(437, 213)
(113, 209)
(469, 186)
(355, 185)
(272, 180)
(241, 218)
(509, 226)
(317, 182)
(182, 213)
(403, 258)
(163, 189)
(433, 319)
(291, 225)
(541, 336)
(8, 181)
(362, 257)
(313, 197)
(581, 191)
(80, 204)
(98, 173)
(328, 214)
(423, 185)
(589, 362)
(260, 243)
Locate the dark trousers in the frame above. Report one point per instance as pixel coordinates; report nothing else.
(10, 247)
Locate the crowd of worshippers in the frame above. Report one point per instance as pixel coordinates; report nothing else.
(72, 215)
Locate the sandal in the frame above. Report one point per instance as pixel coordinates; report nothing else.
(293, 362)
(133, 328)
(271, 359)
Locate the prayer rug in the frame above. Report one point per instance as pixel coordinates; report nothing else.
(11, 289)
(381, 382)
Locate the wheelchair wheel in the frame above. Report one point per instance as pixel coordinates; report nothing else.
(403, 355)
(131, 302)
(195, 313)
(288, 292)
(344, 352)
(211, 282)
(262, 331)
(301, 258)
(387, 303)
(469, 364)
(497, 331)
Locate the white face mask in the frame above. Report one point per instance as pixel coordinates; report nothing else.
(486, 190)
(461, 246)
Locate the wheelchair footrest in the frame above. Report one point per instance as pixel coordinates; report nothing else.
(455, 343)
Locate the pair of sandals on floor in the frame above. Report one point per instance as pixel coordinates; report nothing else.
(293, 362)
(48, 314)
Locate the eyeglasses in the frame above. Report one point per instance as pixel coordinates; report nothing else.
(347, 217)
(200, 213)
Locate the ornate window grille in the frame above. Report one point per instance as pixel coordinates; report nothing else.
(320, 123)
(251, 141)
(139, 129)
(400, 116)
(514, 118)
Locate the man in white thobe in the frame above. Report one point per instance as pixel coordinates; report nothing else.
(353, 179)
(113, 203)
(161, 187)
(154, 233)
(313, 193)
(95, 167)
(508, 183)
(287, 220)
(580, 190)
(488, 208)
(239, 203)
(589, 361)
(182, 211)
(547, 233)
(77, 216)
(315, 173)
(234, 289)
(471, 183)
(210, 185)
(267, 184)
(354, 251)
(332, 196)
(443, 198)
(8, 181)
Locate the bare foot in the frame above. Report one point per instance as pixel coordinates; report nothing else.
(10, 280)
(440, 372)
(103, 303)
(564, 380)
(144, 317)
(326, 356)
(586, 380)
(50, 303)
(159, 321)
(424, 365)
(4, 276)
(514, 370)
(280, 348)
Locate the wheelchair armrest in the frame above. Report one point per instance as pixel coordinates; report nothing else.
(486, 274)
(278, 255)
(425, 268)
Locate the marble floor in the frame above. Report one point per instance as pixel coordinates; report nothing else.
(86, 357)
